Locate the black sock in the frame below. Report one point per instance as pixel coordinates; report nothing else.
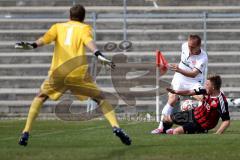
(166, 126)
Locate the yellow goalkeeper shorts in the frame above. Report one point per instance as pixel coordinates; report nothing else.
(81, 88)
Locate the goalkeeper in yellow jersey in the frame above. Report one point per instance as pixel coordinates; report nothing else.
(70, 39)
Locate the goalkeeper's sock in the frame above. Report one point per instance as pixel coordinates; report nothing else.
(109, 113)
(33, 113)
(167, 110)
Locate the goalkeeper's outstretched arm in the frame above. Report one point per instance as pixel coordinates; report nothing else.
(39, 42)
(29, 45)
(92, 47)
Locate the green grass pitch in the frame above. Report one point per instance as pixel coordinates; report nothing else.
(59, 140)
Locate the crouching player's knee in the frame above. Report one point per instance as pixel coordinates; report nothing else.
(168, 120)
(178, 130)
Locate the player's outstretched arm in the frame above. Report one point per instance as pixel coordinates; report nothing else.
(224, 125)
(92, 46)
(28, 45)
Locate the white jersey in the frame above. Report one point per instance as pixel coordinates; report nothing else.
(188, 63)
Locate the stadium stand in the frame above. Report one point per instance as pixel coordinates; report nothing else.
(22, 72)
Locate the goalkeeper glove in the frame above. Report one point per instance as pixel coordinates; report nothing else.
(104, 60)
(25, 45)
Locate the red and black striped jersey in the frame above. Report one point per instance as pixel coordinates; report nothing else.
(210, 110)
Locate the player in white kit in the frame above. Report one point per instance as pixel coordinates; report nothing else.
(189, 75)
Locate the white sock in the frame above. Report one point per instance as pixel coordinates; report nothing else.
(167, 110)
(161, 123)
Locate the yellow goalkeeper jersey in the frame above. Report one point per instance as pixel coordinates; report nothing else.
(70, 39)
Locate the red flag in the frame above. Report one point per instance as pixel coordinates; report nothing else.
(161, 62)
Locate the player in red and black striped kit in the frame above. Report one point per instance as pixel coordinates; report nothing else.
(204, 117)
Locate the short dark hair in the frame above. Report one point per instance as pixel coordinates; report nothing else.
(195, 38)
(215, 80)
(77, 13)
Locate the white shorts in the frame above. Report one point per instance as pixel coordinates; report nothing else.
(184, 85)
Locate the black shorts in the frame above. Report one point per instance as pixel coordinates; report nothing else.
(187, 121)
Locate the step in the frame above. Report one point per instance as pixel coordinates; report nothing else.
(61, 10)
(132, 23)
(213, 45)
(54, 103)
(29, 93)
(229, 80)
(171, 57)
(138, 112)
(70, 2)
(21, 107)
(117, 3)
(42, 69)
(31, 57)
(13, 94)
(117, 35)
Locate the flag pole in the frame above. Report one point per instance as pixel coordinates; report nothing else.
(157, 85)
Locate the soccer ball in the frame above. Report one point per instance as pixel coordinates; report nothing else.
(188, 105)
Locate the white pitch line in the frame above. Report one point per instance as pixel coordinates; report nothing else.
(49, 133)
(37, 135)
(132, 123)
